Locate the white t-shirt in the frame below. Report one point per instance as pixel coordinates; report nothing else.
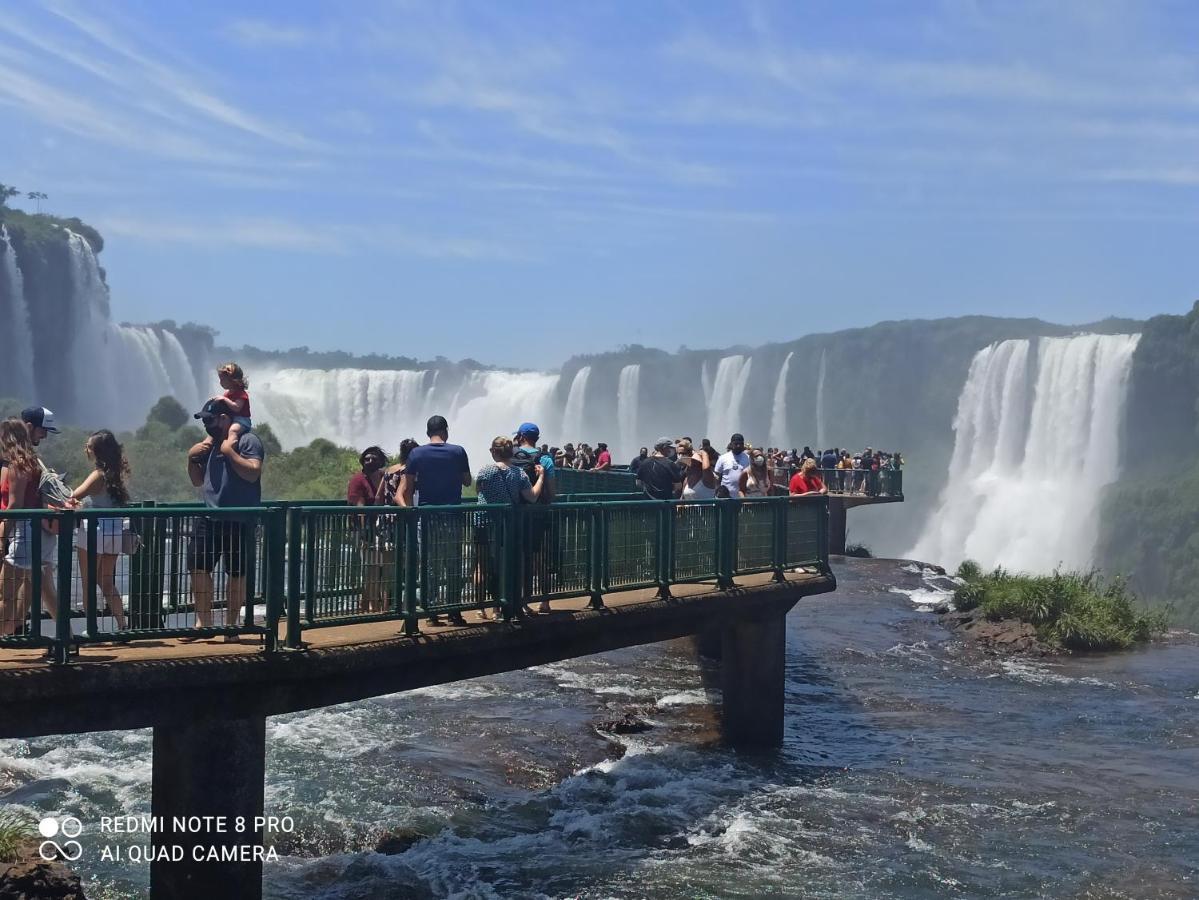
(729, 468)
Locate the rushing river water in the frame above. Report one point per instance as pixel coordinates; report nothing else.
(911, 768)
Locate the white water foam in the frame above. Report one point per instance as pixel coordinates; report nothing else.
(728, 390)
(574, 425)
(17, 361)
(626, 411)
(779, 436)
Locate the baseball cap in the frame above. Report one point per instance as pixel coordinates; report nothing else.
(40, 417)
(528, 429)
(213, 408)
(663, 442)
(737, 438)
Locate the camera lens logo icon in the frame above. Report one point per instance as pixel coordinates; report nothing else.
(68, 827)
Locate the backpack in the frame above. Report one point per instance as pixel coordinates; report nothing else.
(525, 459)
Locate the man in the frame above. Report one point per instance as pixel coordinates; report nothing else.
(540, 543)
(228, 471)
(439, 470)
(40, 424)
(733, 468)
(660, 476)
(641, 457)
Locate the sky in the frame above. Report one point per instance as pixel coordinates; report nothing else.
(518, 182)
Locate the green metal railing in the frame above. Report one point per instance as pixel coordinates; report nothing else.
(859, 482)
(139, 574)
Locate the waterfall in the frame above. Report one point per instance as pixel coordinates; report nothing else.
(360, 407)
(705, 380)
(573, 423)
(1027, 472)
(778, 412)
(16, 363)
(626, 411)
(728, 389)
(821, 430)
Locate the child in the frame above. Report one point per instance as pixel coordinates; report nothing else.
(233, 380)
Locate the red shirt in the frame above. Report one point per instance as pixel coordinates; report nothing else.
(801, 485)
(359, 489)
(238, 395)
(604, 459)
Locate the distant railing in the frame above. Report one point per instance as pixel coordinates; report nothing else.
(860, 482)
(314, 565)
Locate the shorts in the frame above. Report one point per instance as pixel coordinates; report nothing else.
(216, 539)
(20, 547)
(246, 424)
(109, 537)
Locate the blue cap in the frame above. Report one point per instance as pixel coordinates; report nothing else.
(528, 429)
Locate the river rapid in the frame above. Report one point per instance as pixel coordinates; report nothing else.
(912, 767)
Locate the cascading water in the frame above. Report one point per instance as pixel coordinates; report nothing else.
(778, 413)
(359, 407)
(1027, 473)
(574, 426)
(626, 410)
(16, 363)
(821, 430)
(728, 390)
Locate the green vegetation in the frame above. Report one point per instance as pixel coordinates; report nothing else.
(1072, 610)
(15, 830)
(861, 551)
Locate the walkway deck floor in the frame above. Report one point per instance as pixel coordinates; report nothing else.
(355, 635)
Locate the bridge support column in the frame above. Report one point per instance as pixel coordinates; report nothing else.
(709, 642)
(211, 767)
(836, 526)
(754, 672)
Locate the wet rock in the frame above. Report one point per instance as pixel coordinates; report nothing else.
(398, 840)
(942, 608)
(629, 723)
(33, 878)
(998, 637)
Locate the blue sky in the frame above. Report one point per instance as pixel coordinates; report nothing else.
(519, 181)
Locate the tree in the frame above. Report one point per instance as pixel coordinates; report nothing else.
(6, 191)
(270, 443)
(169, 412)
(39, 197)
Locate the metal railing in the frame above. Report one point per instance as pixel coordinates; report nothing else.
(859, 482)
(153, 572)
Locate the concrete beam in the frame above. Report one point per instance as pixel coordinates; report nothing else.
(754, 670)
(837, 526)
(215, 767)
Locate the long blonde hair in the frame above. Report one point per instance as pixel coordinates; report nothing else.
(16, 448)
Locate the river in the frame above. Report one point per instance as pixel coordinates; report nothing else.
(912, 767)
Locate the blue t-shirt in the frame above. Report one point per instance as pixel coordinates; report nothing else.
(223, 488)
(438, 469)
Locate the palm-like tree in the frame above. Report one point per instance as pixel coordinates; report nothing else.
(6, 191)
(39, 197)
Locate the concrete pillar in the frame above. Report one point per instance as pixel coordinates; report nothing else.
(709, 642)
(754, 672)
(836, 526)
(214, 767)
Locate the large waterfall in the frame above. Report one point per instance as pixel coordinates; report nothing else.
(16, 362)
(728, 390)
(626, 412)
(821, 426)
(778, 410)
(1037, 439)
(575, 427)
(359, 407)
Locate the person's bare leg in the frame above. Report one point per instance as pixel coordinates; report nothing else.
(10, 603)
(202, 598)
(237, 598)
(106, 574)
(49, 594)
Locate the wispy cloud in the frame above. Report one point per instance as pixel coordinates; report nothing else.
(257, 33)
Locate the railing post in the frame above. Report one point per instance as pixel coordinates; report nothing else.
(411, 571)
(726, 524)
(36, 574)
(665, 544)
(311, 568)
(62, 623)
(511, 576)
(90, 587)
(295, 556)
(595, 556)
(276, 583)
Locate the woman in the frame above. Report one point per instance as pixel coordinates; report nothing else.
(364, 490)
(758, 482)
(807, 480)
(389, 484)
(21, 478)
(104, 488)
(699, 481)
(499, 483)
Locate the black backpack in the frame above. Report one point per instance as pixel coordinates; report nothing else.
(525, 459)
